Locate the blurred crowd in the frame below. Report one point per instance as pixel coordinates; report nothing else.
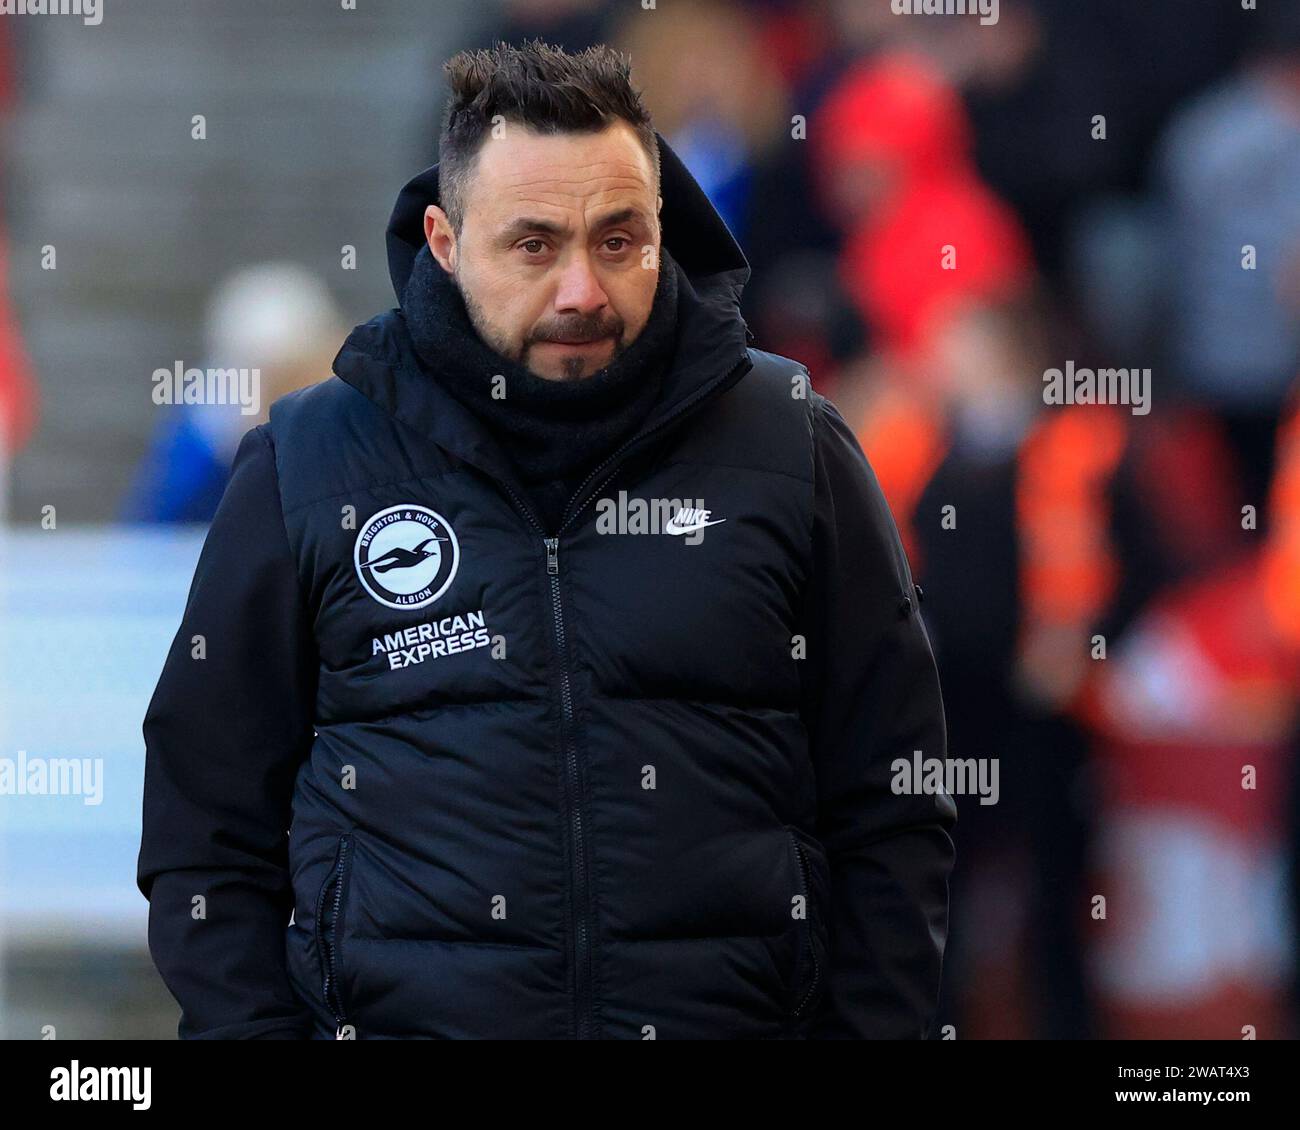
(937, 212)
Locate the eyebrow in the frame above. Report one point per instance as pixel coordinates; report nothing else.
(525, 225)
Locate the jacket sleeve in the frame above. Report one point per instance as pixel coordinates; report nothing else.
(871, 695)
(225, 730)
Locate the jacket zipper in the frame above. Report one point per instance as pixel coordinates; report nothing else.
(332, 999)
(581, 910)
(807, 931)
(580, 913)
(573, 790)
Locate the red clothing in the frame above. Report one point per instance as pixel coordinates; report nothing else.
(899, 121)
(898, 274)
(18, 398)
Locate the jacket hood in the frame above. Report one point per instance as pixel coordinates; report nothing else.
(380, 361)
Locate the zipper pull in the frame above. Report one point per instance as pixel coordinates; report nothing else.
(552, 555)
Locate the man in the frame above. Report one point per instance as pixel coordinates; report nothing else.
(568, 637)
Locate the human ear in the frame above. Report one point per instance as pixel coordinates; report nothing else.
(441, 237)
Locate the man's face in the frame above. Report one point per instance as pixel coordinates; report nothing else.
(552, 257)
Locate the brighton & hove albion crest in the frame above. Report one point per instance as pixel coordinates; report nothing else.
(406, 556)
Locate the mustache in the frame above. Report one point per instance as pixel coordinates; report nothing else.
(577, 331)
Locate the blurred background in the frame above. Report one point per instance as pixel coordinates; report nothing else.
(1114, 597)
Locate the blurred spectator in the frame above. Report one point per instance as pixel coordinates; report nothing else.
(18, 394)
(1196, 939)
(1035, 81)
(19, 402)
(1230, 166)
(959, 444)
(796, 303)
(893, 169)
(713, 91)
(276, 317)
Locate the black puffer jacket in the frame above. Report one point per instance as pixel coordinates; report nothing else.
(550, 783)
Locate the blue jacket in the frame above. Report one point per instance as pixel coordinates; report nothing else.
(626, 778)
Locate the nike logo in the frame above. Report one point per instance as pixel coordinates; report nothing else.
(689, 519)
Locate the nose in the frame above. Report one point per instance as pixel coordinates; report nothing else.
(579, 289)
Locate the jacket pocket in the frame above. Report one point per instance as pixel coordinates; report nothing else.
(330, 908)
(809, 972)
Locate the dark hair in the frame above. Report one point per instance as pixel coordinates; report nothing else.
(539, 86)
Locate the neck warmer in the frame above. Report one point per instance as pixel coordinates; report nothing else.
(554, 431)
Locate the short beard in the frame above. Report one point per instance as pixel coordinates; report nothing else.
(479, 320)
(573, 366)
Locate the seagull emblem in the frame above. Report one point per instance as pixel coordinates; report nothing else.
(400, 558)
